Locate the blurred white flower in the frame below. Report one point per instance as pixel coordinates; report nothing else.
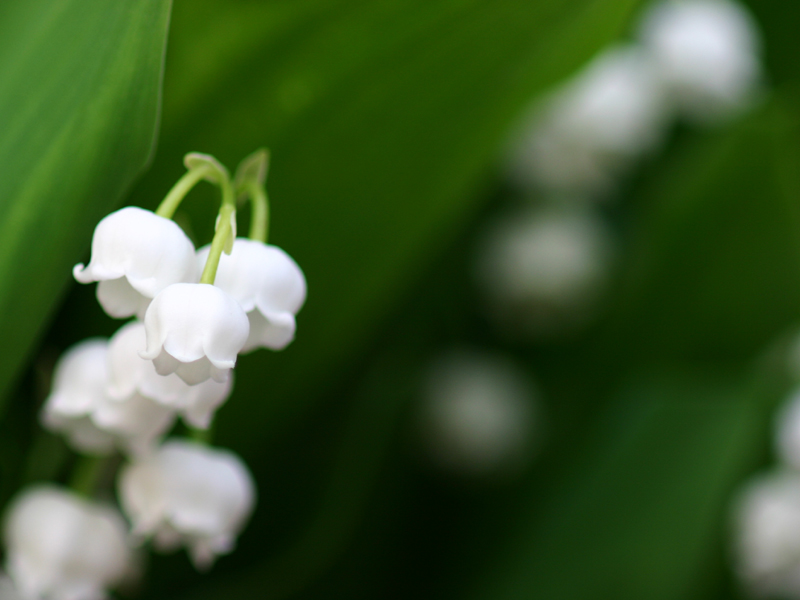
(787, 431)
(268, 285)
(707, 53)
(590, 128)
(543, 269)
(80, 407)
(131, 376)
(135, 255)
(188, 494)
(195, 330)
(478, 413)
(62, 547)
(767, 528)
(8, 591)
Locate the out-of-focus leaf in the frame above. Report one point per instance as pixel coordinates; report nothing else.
(79, 100)
(715, 258)
(640, 517)
(382, 118)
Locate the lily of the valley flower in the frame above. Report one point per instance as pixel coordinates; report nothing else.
(80, 407)
(8, 591)
(135, 255)
(593, 126)
(195, 331)
(767, 520)
(62, 547)
(267, 284)
(478, 415)
(707, 53)
(543, 270)
(188, 494)
(131, 376)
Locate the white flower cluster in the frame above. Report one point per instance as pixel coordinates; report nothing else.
(173, 360)
(699, 59)
(543, 269)
(767, 517)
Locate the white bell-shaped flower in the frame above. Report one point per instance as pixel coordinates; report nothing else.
(478, 413)
(62, 547)
(135, 255)
(707, 53)
(267, 284)
(196, 331)
(767, 540)
(131, 376)
(80, 407)
(543, 270)
(188, 494)
(592, 126)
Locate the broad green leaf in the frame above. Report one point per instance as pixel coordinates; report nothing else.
(646, 510)
(714, 257)
(79, 102)
(383, 119)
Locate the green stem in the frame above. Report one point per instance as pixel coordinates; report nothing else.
(203, 436)
(259, 219)
(178, 192)
(86, 474)
(221, 235)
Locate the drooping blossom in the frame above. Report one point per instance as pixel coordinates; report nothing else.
(707, 53)
(135, 255)
(195, 331)
(767, 538)
(80, 407)
(188, 494)
(543, 270)
(478, 413)
(592, 127)
(131, 376)
(267, 284)
(60, 546)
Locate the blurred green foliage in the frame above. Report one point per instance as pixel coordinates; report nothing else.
(385, 119)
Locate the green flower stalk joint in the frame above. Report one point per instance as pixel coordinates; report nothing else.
(196, 311)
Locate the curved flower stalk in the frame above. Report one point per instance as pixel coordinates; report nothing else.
(188, 494)
(707, 53)
(267, 284)
(135, 255)
(80, 407)
(131, 376)
(62, 547)
(195, 331)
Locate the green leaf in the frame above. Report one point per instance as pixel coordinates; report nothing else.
(79, 101)
(715, 250)
(383, 120)
(642, 514)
